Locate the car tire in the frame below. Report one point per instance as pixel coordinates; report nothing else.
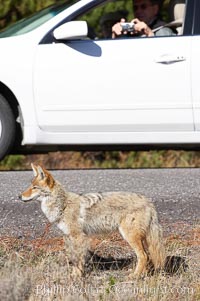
(7, 127)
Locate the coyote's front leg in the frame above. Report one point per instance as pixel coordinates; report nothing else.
(77, 245)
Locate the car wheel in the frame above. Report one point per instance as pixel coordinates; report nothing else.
(7, 127)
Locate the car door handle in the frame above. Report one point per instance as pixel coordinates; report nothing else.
(170, 59)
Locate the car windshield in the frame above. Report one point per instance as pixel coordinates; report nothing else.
(27, 24)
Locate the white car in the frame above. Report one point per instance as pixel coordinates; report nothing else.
(64, 85)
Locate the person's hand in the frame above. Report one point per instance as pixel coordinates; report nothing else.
(117, 29)
(142, 28)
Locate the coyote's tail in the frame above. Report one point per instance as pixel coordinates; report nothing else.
(155, 243)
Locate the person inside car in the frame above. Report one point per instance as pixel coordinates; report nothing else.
(109, 19)
(147, 20)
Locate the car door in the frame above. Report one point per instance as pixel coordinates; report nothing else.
(121, 85)
(114, 85)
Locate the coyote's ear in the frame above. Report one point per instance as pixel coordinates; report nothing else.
(34, 167)
(41, 172)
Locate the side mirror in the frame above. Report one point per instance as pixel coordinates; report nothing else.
(71, 30)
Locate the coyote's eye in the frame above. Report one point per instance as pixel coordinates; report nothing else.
(35, 187)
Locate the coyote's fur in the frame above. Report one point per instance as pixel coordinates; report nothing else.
(77, 215)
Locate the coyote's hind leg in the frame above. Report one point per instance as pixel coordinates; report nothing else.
(135, 237)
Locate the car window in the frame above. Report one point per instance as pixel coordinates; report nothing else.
(101, 18)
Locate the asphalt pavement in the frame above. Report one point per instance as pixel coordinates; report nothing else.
(175, 193)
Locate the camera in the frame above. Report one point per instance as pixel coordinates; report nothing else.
(127, 26)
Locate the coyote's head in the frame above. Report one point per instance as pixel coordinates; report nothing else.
(41, 186)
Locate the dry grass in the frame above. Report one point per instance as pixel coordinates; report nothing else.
(105, 159)
(116, 159)
(39, 270)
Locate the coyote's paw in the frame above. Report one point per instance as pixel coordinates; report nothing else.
(135, 275)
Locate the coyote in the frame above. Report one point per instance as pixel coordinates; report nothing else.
(78, 215)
